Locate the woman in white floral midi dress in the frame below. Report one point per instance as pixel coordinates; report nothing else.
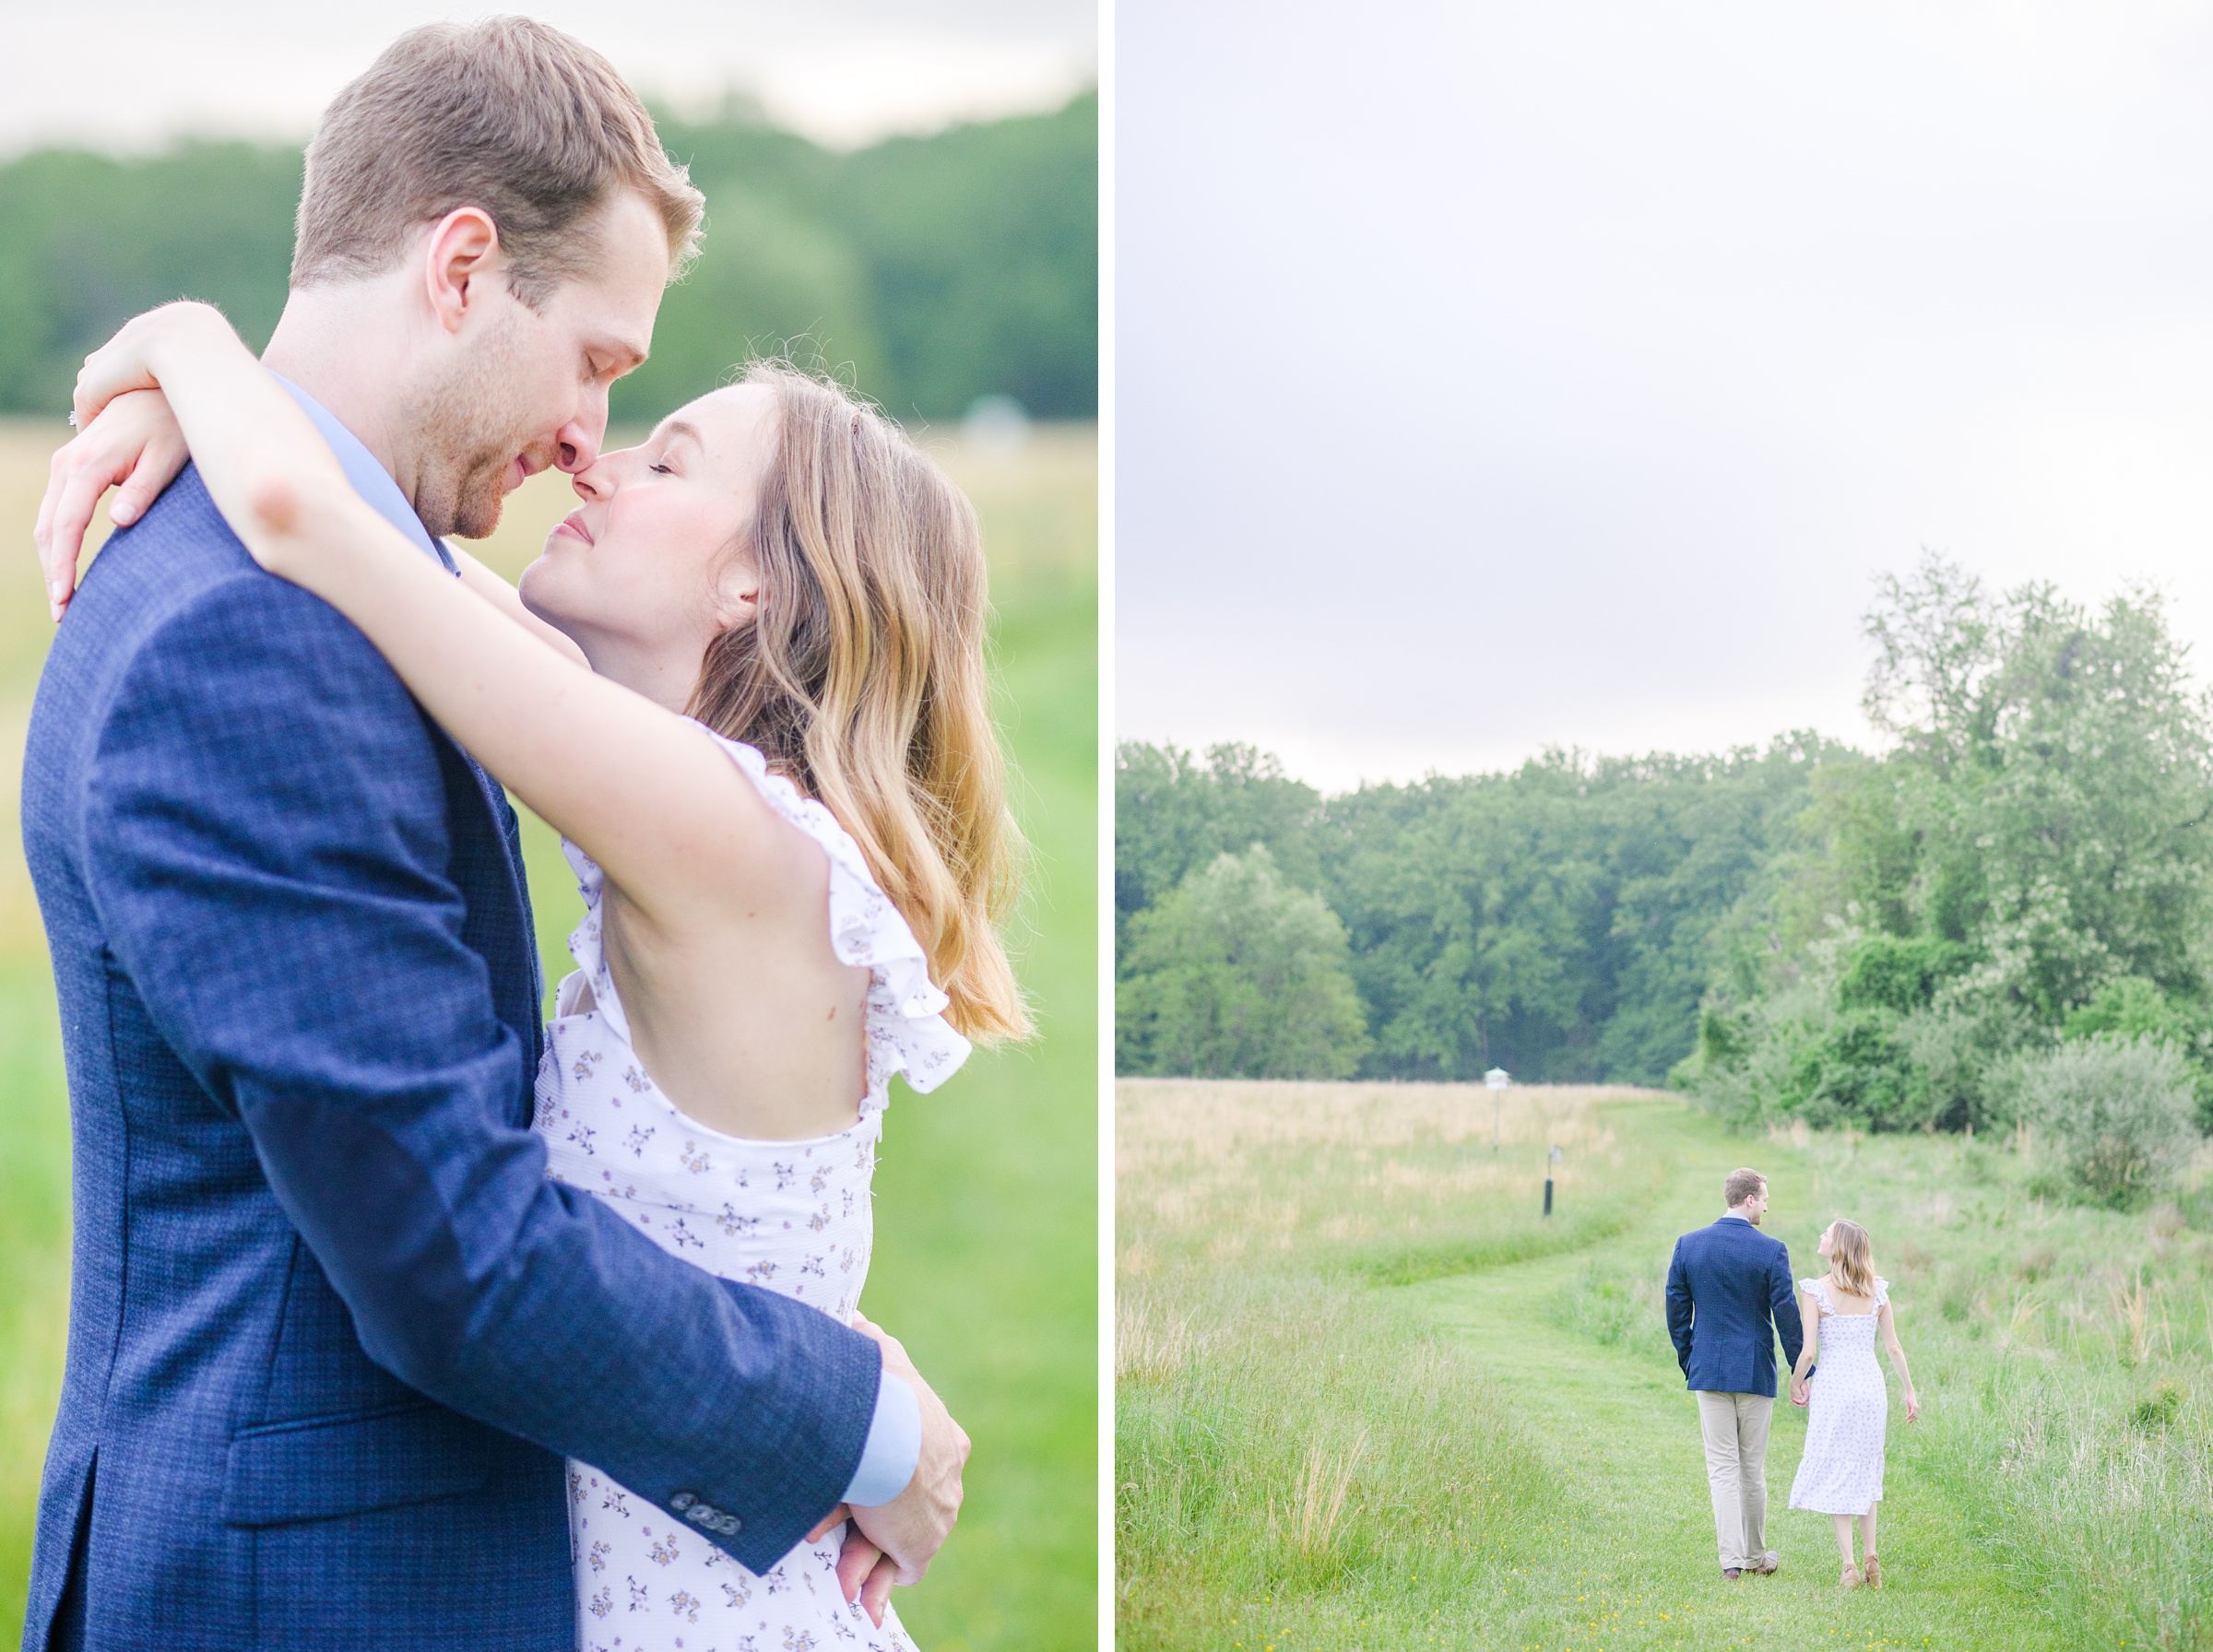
(792, 1216)
(746, 681)
(1840, 1473)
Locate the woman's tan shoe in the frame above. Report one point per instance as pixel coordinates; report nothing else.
(1850, 1580)
(1872, 1569)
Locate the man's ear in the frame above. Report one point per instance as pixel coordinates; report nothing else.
(461, 257)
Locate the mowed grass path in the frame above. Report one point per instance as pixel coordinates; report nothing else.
(1625, 1557)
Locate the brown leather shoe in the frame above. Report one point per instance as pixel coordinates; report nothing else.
(1872, 1569)
(1769, 1564)
(1731, 1574)
(1851, 1580)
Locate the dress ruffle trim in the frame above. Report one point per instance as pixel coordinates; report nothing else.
(1819, 1286)
(906, 1028)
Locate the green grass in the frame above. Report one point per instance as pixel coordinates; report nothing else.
(1530, 1474)
(987, 1194)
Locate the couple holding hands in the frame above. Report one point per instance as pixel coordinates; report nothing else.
(1729, 1295)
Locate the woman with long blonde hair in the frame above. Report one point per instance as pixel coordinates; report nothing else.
(1840, 1474)
(746, 681)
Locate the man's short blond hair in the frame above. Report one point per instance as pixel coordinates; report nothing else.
(509, 116)
(1741, 1185)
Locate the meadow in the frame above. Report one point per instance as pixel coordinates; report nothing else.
(987, 1194)
(1368, 1397)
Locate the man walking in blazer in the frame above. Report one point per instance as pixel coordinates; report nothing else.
(1729, 1293)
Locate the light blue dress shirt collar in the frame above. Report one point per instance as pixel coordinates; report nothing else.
(369, 479)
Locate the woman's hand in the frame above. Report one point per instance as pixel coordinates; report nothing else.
(1913, 1406)
(1801, 1390)
(865, 1573)
(134, 444)
(127, 433)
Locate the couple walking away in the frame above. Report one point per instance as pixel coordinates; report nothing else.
(1729, 1295)
(398, 1318)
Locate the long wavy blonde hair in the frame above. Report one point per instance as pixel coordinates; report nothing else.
(1852, 1257)
(862, 678)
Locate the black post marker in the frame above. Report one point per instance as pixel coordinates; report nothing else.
(1551, 1158)
(1548, 1195)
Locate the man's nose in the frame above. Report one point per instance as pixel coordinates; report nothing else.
(577, 448)
(577, 445)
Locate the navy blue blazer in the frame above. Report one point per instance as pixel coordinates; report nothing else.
(332, 1329)
(1729, 1295)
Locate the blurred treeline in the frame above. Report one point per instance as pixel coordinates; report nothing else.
(932, 269)
(2004, 919)
(1562, 921)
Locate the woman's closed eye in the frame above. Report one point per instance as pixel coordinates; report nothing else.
(662, 470)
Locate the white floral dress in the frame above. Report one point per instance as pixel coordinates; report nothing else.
(1841, 1471)
(792, 1216)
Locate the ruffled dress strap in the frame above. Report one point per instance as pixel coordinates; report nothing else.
(588, 948)
(907, 1032)
(1819, 1290)
(906, 1029)
(1882, 1294)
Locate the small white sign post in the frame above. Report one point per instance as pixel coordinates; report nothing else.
(1498, 1079)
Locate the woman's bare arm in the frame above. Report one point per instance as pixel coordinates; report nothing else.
(509, 601)
(1809, 1315)
(645, 792)
(1887, 1326)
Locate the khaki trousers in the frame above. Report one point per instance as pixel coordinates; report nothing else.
(1736, 1426)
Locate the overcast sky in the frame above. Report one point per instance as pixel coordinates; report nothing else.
(129, 72)
(1493, 376)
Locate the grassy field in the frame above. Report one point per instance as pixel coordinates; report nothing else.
(987, 1194)
(1368, 1396)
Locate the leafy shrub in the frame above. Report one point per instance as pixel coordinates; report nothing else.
(1855, 1074)
(2119, 1113)
(1238, 974)
(1900, 973)
(2134, 1006)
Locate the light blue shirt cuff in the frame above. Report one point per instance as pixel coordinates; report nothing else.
(894, 1446)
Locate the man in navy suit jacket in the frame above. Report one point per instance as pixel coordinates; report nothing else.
(331, 1328)
(1729, 1293)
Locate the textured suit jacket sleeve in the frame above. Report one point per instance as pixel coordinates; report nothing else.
(1679, 1309)
(265, 840)
(1782, 1299)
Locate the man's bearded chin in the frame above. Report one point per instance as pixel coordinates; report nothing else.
(461, 473)
(476, 495)
(460, 495)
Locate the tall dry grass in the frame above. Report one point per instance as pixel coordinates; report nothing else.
(1393, 1181)
(1283, 1426)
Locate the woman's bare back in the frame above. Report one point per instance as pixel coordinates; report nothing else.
(749, 1024)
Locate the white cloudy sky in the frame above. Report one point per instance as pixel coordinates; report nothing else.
(1493, 376)
(128, 73)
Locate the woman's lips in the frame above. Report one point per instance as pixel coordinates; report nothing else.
(573, 524)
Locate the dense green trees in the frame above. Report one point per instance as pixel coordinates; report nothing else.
(1563, 920)
(2024, 876)
(1237, 973)
(2008, 910)
(933, 270)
